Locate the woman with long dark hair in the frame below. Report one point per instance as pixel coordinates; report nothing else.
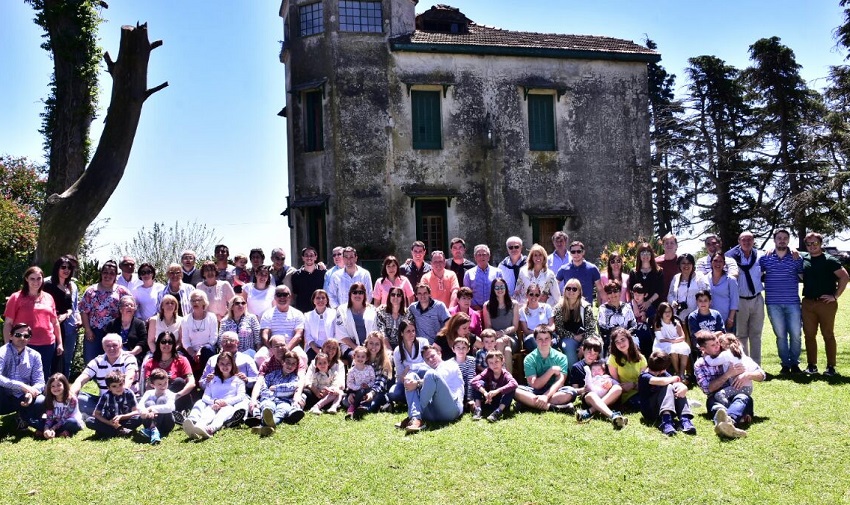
(66, 296)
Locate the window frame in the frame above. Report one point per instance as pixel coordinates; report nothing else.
(318, 25)
(428, 209)
(433, 138)
(352, 22)
(542, 131)
(313, 120)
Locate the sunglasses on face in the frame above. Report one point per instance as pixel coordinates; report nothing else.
(612, 291)
(240, 303)
(577, 251)
(64, 267)
(358, 292)
(336, 255)
(395, 295)
(810, 244)
(282, 295)
(146, 272)
(533, 295)
(499, 287)
(166, 342)
(571, 288)
(513, 247)
(24, 335)
(616, 261)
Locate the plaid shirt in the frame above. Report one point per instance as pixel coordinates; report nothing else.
(706, 373)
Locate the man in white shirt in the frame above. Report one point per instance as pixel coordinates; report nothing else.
(434, 393)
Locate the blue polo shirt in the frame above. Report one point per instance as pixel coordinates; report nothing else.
(586, 273)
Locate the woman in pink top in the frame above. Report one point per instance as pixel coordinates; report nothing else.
(390, 279)
(37, 309)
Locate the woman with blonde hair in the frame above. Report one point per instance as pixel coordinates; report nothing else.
(536, 272)
(574, 320)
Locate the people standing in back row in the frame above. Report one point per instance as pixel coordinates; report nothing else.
(415, 267)
(513, 262)
(343, 279)
(585, 271)
(782, 269)
(458, 264)
(478, 279)
(749, 321)
(824, 279)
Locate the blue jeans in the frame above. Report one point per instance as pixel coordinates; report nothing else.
(740, 406)
(786, 321)
(47, 353)
(69, 341)
(72, 426)
(280, 409)
(91, 349)
(107, 430)
(31, 414)
(433, 401)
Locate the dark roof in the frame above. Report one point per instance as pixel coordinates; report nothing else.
(482, 39)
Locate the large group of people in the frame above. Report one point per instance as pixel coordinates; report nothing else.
(222, 343)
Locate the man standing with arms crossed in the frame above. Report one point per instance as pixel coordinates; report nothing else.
(824, 279)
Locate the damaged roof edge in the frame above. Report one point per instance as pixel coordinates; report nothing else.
(538, 52)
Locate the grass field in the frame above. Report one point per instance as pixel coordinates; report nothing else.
(797, 452)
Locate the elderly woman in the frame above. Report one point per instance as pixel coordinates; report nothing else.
(166, 356)
(533, 314)
(244, 324)
(355, 319)
(35, 308)
(99, 307)
(260, 293)
(178, 289)
(147, 293)
(65, 293)
(684, 287)
(218, 292)
(319, 324)
(390, 316)
(574, 320)
(536, 272)
(199, 331)
(133, 332)
(390, 278)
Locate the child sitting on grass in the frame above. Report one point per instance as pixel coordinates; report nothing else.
(321, 378)
(358, 383)
(488, 340)
(62, 414)
(663, 396)
(157, 407)
(116, 412)
(493, 386)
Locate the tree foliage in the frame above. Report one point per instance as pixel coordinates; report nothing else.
(161, 245)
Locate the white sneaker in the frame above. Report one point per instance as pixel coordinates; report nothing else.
(721, 416)
(727, 429)
(189, 428)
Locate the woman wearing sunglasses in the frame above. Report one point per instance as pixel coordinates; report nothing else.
(574, 320)
(355, 320)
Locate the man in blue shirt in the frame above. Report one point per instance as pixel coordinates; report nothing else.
(478, 279)
(21, 377)
(585, 271)
(782, 270)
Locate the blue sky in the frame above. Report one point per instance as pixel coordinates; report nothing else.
(210, 147)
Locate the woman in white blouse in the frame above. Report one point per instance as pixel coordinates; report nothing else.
(536, 272)
(684, 286)
(260, 293)
(355, 320)
(319, 324)
(199, 332)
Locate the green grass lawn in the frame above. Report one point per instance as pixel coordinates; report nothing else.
(797, 452)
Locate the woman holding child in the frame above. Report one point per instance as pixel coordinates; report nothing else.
(177, 366)
(625, 363)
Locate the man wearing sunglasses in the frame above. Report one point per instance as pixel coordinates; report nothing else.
(283, 320)
(824, 279)
(21, 377)
(586, 272)
(512, 263)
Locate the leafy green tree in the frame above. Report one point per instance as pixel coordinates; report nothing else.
(729, 194)
(78, 188)
(786, 114)
(161, 245)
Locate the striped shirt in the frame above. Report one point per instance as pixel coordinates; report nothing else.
(19, 368)
(781, 278)
(467, 370)
(99, 368)
(282, 323)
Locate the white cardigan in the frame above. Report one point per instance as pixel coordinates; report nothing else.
(345, 327)
(312, 323)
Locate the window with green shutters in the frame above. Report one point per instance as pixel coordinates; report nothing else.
(427, 126)
(541, 123)
(313, 129)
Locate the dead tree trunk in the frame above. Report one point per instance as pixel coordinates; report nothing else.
(67, 215)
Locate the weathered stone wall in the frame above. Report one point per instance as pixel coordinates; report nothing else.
(600, 170)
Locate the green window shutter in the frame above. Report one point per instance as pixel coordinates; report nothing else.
(541, 123)
(427, 124)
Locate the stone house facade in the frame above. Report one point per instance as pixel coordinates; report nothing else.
(405, 127)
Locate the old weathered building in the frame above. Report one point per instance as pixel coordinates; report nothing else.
(405, 127)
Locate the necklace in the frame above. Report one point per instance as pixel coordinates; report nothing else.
(200, 327)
